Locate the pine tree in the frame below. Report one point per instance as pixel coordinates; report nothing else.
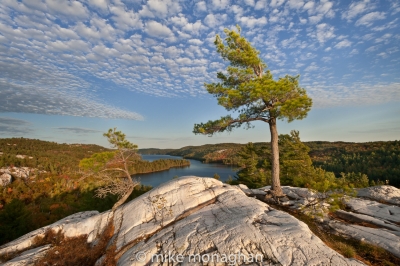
(250, 90)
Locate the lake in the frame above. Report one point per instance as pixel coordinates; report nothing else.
(196, 168)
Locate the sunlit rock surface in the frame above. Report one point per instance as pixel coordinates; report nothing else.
(197, 216)
(89, 223)
(388, 194)
(373, 218)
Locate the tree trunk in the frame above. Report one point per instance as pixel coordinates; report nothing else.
(123, 199)
(276, 183)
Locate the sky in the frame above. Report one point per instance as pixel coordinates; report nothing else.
(70, 70)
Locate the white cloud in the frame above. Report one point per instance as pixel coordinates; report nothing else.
(220, 4)
(357, 8)
(312, 67)
(68, 8)
(355, 94)
(276, 3)
(212, 20)
(155, 29)
(369, 18)
(251, 22)
(180, 21)
(201, 6)
(163, 8)
(126, 19)
(343, 44)
(50, 101)
(323, 33)
(249, 2)
(102, 4)
(193, 27)
(261, 4)
(295, 4)
(315, 19)
(195, 42)
(354, 52)
(309, 6)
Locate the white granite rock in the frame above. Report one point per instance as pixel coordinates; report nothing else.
(28, 257)
(381, 237)
(20, 172)
(5, 179)
(193, 215)
(375, 209)
(351, 217)
(163, 205)
(228, 224)
(83, 223)
(387, 194)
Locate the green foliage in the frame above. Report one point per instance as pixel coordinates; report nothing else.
(250, 90)
(118, 141)
(296, 164)
(380, 161)
(255, 165)
(97, 161)
(49, 156)
(216, 176)
(15, 220)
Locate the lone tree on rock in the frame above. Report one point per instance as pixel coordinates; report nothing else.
(112, 168)
(249, 89)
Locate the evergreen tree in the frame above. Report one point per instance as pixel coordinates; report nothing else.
(250, 90)
(110, 166)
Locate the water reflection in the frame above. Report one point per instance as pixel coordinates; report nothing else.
(196, 168)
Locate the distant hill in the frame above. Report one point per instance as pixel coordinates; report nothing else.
(45, 155)
(380, 160)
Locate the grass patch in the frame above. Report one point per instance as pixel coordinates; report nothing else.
(74, 251)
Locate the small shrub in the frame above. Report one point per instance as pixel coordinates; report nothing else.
(74, 251)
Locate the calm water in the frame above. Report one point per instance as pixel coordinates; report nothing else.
(196, 168)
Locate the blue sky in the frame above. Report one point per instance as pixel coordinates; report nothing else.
(70, 70)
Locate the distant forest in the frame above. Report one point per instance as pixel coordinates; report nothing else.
(379, 160)
(46, 197)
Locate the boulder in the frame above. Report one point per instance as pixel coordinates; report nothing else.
(28, 257)
(89, 223)
(386, 239)
(388, 194)
(231, 226)
(5, 179)
(375, 209)
(202, 218)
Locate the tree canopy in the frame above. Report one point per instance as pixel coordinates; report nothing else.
(249, 89)
(113, 167)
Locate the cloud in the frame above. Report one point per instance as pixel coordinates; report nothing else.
(125, 19)
(164, 8)
(212, 20)
(261, 4)
(357, 8)
(323, 33)
(13, 126)
(156, 29)
(356, 94)
(41, 100)
(276, 3)
(295, 4)
(77, 130)
(250, 22)
(343, 44)
(201, 6)
(68, 8)
(102, 4)
(369, 19)
(220, 4)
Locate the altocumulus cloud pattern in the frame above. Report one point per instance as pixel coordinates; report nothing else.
(64, 57)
